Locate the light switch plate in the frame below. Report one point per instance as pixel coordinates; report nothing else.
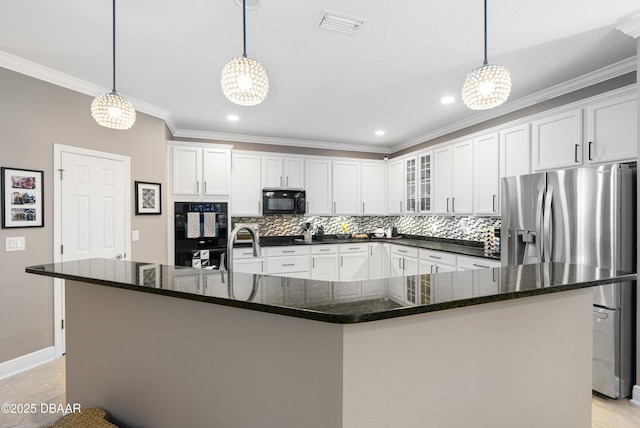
(15, 243)
(135, 235)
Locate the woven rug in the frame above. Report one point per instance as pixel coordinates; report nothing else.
(89, 418)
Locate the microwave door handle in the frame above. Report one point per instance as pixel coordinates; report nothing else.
(547, 225)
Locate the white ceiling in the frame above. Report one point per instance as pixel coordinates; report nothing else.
(324, 87)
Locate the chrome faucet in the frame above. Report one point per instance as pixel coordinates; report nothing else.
(255, 243)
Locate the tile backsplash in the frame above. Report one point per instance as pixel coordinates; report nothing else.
(467, 228)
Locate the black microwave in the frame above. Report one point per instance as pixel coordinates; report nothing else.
(283, 201)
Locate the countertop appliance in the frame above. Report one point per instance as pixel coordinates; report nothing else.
(200, 232)
(276, 201)
(583, 216)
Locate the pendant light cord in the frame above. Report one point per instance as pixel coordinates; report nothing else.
(485, 33)
(244, 28)
(114, 46)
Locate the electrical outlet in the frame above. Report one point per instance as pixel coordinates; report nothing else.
(16, 243)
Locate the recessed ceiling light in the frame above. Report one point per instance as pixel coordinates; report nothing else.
(379, 132)
(447, 100)
(232, 117)
(251, 4)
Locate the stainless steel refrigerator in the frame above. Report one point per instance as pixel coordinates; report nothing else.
(582, 216)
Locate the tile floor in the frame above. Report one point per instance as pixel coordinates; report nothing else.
(46, 384)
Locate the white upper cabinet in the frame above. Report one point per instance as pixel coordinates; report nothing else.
(346, 188)
(487, 175)
(318, 187)
(612, 130)
(442, 175)
(187, 166)
(557, 141)
(200, 171)
(515, 151)
(425, 182)
(282, 173)
(216, 171)
(246, 193)
(395, 187)
(373, 179)
(454, 179)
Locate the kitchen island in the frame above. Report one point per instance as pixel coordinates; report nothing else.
(165, 346)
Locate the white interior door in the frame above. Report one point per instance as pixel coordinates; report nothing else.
(92, 213)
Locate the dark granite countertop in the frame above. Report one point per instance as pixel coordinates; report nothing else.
(456, 246)
(326, 301)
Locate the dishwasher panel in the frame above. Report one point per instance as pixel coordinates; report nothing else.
(606, 342)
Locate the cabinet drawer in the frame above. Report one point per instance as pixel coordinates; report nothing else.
(467, 262)
(324, 249)
(354, 248)
(242, 253)
(438, 257)
(288, 264)
(401, 250)
(288, 251)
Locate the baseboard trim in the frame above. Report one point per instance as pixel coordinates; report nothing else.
(635, 395)
(26, 362)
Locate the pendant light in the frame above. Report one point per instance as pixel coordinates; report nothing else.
(110, 109)
(488, 86)
(244, 80)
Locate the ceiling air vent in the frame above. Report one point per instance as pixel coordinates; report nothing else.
(339, 22)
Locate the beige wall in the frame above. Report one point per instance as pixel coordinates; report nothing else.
(33, 116)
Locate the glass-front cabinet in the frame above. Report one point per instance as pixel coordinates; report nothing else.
(418, 183)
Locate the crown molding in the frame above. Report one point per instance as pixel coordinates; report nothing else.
(240, 138)
(609, 72)
(630, 24)
(37, 71)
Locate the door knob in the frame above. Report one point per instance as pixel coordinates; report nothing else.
(119, 256)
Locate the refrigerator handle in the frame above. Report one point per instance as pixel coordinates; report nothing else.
(539, 220)
(548, 226)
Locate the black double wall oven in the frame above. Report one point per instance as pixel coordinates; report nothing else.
(200, 233)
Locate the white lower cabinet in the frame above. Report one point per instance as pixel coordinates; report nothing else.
(436, 261)
(324, 262)
(379, 261)
(354, 262)
(469, 263)
(244, 261)
(288, 261)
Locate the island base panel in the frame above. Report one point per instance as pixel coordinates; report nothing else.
(155, 361)
(521, 363)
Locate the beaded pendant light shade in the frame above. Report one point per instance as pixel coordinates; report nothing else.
(110, 109)
(488, 86)
(244, 80)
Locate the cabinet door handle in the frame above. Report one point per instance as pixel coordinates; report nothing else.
(288, 264)
(353, 248)
(399, 262)
(280, 181)
(258, 207)
(590, 144)
(437, 268)
(435, 257)
(403, 263)
(288, 251)
(481, 266)
(334, 207)
(431, 268)
(341, 261)
(205, 187)
(287, 184)
(363, 208)
(324, 249)
(493, 203)
(307, 206)
(575, 152)
(313, 262)
(453, 205)
(447, 204)
(371, 251)
(400, 206)
(402, 251)
(197, 186)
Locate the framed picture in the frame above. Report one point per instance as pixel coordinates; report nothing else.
(22, 198)
(148, 198)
